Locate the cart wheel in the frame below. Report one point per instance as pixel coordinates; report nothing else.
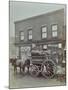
(34, 70)
(48, 69)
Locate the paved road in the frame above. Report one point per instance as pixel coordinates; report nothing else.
(20, 81)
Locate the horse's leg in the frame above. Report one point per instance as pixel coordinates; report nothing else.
(20, 66)
(23, 68)
(14, 68)
(28, 69)
(20, 69)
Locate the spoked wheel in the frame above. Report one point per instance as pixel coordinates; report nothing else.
(34, 70)
(48, 69)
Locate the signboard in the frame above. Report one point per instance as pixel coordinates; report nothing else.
(25, 49)
(53, 45)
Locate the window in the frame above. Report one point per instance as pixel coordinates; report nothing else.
(54, 30)
(21, 35)
(30, 34)
(44, 46)
(59, 45)
(44, 32)
(33, 45)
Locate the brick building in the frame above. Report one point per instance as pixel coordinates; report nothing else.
(45, 31)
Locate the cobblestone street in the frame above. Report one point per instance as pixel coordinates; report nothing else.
(25, 81)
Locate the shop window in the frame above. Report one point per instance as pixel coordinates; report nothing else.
(44, 46)
(59, 45)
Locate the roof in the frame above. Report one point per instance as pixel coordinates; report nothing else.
(39, 15)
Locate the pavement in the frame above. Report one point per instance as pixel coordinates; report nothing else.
(17, 80)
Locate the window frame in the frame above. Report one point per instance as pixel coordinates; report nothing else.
(29, 34)
(21, 36)
(59, 45)
(54, 30)
(44, 32)
(43, 46)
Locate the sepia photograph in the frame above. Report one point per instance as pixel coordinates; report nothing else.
(37, 44)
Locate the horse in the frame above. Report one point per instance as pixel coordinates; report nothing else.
(26, 64)
(17, 63)
(11, 60)
(21, 64)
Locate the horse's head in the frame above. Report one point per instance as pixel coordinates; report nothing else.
(10, 60)
(27, 62)
(14, 61)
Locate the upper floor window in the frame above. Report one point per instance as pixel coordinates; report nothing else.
(21, 35)
(54, 30)
(30, 34)
(44, 32)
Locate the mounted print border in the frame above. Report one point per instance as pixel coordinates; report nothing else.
(37, 44)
